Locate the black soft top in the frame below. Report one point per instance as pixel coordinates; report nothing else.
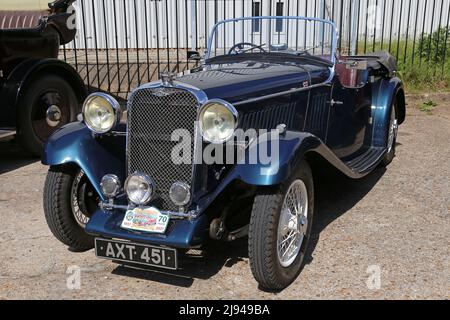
(379, 59)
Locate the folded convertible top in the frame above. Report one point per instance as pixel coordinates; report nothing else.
(379, 59)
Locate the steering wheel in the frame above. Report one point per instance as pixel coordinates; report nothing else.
(240, 47)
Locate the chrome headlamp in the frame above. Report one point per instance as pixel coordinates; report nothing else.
(218, 120)
(180, 193)
(101, 112)
(110, 185)
(139, 188)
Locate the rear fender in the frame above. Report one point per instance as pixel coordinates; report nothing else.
(382, 102)
(95, 155)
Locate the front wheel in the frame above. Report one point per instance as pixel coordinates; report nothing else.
(280, 228)
(69, 201)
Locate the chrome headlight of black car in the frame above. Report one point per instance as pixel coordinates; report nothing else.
(218, 120)
(101, 112)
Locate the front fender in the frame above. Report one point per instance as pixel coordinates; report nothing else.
(283, 158)
(95, 155)
(293, 147)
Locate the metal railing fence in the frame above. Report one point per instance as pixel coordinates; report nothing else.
(121, 44)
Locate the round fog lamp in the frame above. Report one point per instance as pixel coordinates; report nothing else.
(139, 188)
(110, 185)
(180, 193)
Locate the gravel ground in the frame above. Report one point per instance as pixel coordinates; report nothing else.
(395, 220)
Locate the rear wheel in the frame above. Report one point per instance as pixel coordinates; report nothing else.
(280, 228)
(392, 132)
(69, 202)
(48, 103)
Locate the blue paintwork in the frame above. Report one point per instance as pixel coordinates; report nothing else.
(383, 96)
(183, 234)
(229, 82)
(96, 156)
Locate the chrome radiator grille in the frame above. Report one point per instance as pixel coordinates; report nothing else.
(153, 115)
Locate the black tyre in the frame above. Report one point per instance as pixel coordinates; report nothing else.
(391, 134)
(49, 103)
(69, 201)
(272, 223)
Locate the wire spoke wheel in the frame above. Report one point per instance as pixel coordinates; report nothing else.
(293, 223)
(280, 229)
(393, 130)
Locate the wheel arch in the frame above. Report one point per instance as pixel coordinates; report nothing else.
(57, 67)
(28, 71)
(75, 144)
(400, 109)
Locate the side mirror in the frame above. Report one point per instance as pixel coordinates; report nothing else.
(193, 55)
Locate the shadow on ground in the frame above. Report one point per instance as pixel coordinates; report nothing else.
(335, 195)
(13, 157)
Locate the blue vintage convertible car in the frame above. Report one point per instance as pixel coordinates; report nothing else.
(226, 151)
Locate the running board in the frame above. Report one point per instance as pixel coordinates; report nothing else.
(7, 133)
(366, 161)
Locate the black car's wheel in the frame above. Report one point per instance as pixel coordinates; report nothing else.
(48, 103)
(391, 133)
(280, 228)
(69, 201)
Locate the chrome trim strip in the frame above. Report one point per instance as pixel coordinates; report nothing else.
(176, 215)
(116, 133)
(325, 84)
(198, 93)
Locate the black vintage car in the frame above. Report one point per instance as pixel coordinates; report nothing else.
(226, 152)
(38, 92)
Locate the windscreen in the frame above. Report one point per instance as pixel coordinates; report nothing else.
(290, 35)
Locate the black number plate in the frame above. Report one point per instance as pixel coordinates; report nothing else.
(136, 253)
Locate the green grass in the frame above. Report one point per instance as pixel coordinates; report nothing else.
(428, 107)
(419, 74)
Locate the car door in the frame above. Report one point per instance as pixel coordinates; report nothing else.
(350, 114)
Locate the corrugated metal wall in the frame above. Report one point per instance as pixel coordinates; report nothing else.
(186, 23)
(19, 19)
